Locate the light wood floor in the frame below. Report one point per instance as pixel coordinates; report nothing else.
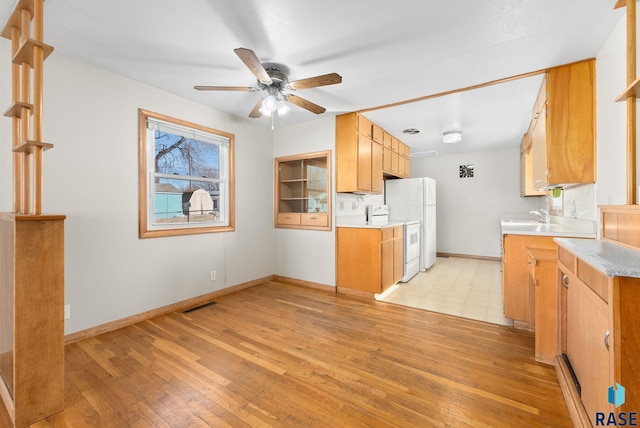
(279, 355)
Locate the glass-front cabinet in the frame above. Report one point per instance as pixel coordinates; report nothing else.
(303, 191)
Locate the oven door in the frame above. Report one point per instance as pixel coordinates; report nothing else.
(411, 242)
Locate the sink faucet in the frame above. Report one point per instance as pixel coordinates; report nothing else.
(543, 216)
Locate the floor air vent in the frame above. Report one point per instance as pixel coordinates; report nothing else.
(198, 307)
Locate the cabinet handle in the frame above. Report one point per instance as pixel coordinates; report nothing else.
(565, 281)
(313, 217)
(606, 340)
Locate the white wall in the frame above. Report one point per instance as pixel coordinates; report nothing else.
(91, 175)
(611, 119)
(469, 209)
(307, 255)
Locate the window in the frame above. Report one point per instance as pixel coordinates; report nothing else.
(186, 177)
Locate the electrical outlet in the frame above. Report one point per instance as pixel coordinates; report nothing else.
(67, 312)
(213, 275)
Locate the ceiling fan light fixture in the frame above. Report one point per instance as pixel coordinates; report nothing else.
(283, 108)
(450, 137)
(268, 105)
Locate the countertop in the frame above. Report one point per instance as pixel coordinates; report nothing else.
(608, 257)
(367, 225)
(565, 229)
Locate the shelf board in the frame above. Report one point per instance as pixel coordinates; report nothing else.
(632, 91)
(30, 146)
(16, 109)
(294, 180)
(15, 19)
(25, 53)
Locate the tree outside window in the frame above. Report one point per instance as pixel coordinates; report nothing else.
(186, 177)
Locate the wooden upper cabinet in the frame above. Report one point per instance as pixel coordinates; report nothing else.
(377, 134)
(358, 157)
(387, 140)
(377, 184)
(526, 168)
(365, 126)
(564, 148)
(365, 153)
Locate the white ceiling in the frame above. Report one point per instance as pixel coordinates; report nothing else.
(385, 51)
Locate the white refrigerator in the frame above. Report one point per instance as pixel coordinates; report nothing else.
(415, 199)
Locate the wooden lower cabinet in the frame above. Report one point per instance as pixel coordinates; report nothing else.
(543, 284)
(517, 293)
(369, 259)
(600, 337)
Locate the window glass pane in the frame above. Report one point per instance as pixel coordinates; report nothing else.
(175, 154)
(317, 188)
(186, 201)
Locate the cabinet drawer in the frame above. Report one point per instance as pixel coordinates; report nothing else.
(397, 232)
(387, 234)
(593, 279)
(314, 219)
(288, 218)
(567, 258)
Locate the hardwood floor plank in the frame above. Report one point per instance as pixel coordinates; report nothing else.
(278, 355)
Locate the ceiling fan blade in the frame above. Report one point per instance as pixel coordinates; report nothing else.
(255, 113)
(251, 60)
(312, 82)
(301, 102)
(224, 88)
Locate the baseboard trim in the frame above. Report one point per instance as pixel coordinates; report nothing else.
(174, 307)
(469, 256)
(301, 283)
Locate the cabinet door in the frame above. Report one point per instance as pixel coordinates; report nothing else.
(515, 274)
(526, 168)
(386, 160)
(587, 324)
(387, 140)
(398, 259)
(364, 163)
(359, 259)
(539, 151)
(571, 123)
(387, 264)
(365, 126)
(546, 310)
(376, 168)
(377, 134)
(407, 167)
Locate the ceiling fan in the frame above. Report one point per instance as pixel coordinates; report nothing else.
(273, 78)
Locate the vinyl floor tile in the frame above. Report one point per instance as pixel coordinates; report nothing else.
(469, 288)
